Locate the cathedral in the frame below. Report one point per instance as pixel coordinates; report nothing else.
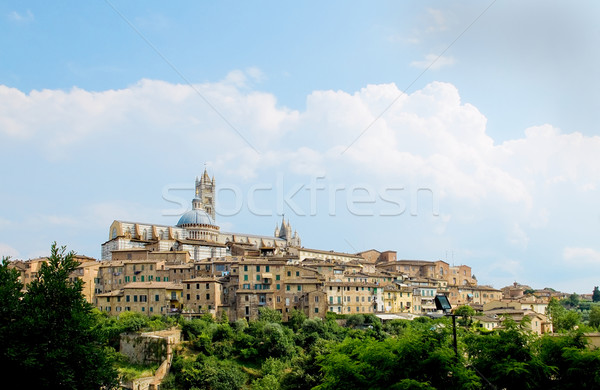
(196, 232)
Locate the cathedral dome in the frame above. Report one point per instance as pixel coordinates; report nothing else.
(195, 217)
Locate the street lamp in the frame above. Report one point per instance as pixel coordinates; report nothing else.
(442, 303)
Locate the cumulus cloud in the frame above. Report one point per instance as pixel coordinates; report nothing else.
(377, 135)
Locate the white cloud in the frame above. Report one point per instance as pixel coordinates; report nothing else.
(8, 251)
(20, 17)
(376, 135)
(581, 257)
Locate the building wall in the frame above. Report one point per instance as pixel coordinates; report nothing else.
(351, 297)
(202, 295)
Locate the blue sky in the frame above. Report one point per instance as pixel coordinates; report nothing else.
(464, 131)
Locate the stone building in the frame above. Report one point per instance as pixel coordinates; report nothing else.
(196, 232)
(142, 297)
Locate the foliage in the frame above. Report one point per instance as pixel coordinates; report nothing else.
(506, 358)
(596, 294)
(423, 357)
(208, 373)
(563, 320)
(594, 316)
(466, 313)
(572, 301)
(10, 296)
(269, 315)
(57, 345)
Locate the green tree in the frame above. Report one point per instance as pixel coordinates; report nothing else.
(572, 301)
(10, 297)
(466, 313)
(506, 357)
(267, 314)
(208, 373)
(595, 316)
(295, 319)
(58, 345)
(563, 320)
(596, 294)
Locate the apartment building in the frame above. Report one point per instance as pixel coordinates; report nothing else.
(473, 295)
(115, 274)
(397, 299)
(203, 294)
(142, 297)
(349, 297)
(86, 271)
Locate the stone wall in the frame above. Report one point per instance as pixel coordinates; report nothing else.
(148, 348)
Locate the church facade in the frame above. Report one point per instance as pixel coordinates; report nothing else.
(196, 232)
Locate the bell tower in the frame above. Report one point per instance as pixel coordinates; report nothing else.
(205, 192)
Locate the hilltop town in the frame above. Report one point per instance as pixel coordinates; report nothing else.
(194, 268)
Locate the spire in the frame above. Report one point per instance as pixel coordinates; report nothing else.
(283, 229)
(205, 177)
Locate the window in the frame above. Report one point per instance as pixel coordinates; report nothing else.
(278, 287)
(207, 286)
(277, 277)
(245, 268)
(299, 288)
(245, 277)
(287, 288)
(207, 296)
(267, 268)
(258, 268)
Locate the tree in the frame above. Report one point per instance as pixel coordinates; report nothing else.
(267, 314)
(57, 346)
(596, 294)
(506, 357)
(573, 300)
(562, 319)
(10, 296)
(595, 316)
(466, 312)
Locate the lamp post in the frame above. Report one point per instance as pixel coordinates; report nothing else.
(442, 303)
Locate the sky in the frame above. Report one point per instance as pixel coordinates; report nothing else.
(461, 131)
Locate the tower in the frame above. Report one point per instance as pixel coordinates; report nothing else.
(205, 192)
(285, 232)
